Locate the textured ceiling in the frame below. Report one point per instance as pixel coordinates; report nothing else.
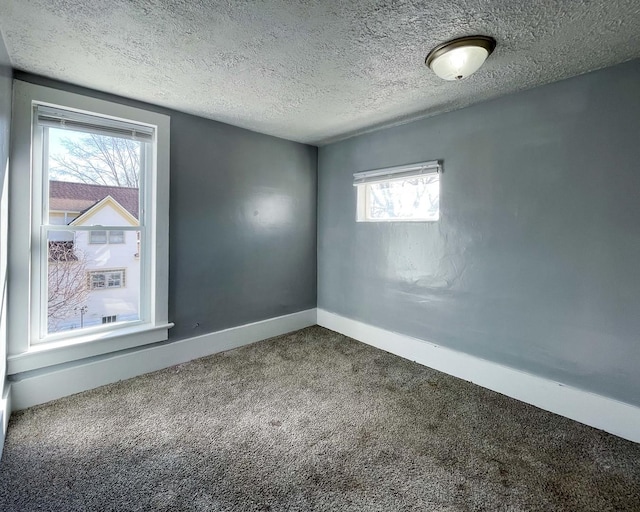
(311, 70)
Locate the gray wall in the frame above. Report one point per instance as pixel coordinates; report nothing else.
(242, 222)
(5, 122)
(535, 262)
(243, 226)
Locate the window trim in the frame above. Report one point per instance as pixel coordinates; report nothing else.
(23, 353)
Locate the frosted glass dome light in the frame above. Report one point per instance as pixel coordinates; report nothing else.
(461, 57)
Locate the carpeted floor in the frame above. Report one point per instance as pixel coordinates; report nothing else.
(308, 421)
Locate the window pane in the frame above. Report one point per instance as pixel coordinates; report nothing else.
(88, 282)
(405, 199)
(98, 280)
(93, 179)
(116, 237)
(67, 290)
(114, 279)
(97, 237)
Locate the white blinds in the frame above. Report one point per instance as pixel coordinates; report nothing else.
(70, 120)
(396, 173)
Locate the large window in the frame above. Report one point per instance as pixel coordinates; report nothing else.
(97, 238)
(403, 193)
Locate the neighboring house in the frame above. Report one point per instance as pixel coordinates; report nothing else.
(104, 264)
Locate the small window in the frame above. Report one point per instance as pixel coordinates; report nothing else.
(109, 319)
(116, 237)
(97, 237)
(103, 237)
(105, 280)
(396, 194)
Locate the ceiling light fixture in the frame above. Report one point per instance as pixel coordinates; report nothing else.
(459, 58)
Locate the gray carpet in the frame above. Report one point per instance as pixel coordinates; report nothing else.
(308, 421)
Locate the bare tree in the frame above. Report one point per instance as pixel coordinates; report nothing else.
(67, 283)
(99, 160)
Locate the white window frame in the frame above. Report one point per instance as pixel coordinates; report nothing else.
(26, 350)
(362, 180)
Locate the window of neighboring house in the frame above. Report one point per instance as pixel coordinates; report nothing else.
(106, 280)
(110, 162)
(116, 237)
(399, 194)
(109, 319)
(97, 237)
(103, 237)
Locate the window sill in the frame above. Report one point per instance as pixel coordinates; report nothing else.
(81, 347)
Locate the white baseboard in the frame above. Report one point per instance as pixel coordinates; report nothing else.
(5, 412)
(591, 409)
(55, 382)
(597, 411)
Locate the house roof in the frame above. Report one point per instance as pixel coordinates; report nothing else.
(80, 197)
(108, 201)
